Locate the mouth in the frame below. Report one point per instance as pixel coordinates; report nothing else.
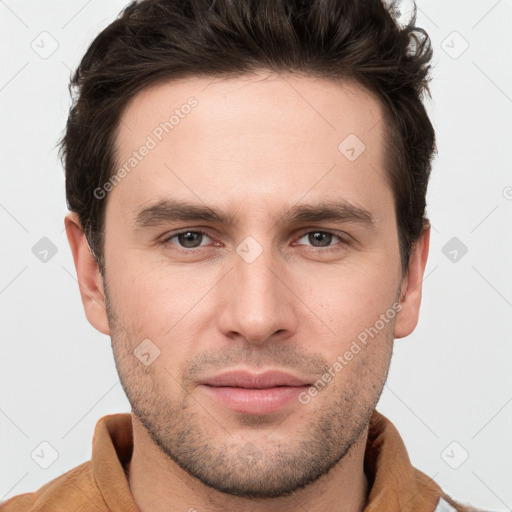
(255, 393)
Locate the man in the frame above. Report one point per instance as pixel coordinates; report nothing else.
(246, 183)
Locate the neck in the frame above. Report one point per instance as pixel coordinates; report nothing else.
(158, 484)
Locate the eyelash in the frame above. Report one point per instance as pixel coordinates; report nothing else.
(342, 236)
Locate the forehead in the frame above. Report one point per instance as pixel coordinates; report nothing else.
(269, 135)
(322, 106)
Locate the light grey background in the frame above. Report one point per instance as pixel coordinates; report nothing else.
(450, 381)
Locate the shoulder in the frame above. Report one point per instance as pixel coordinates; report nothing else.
(75, 490)
(448, 504)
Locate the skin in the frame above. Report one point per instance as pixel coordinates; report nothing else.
(252, 147)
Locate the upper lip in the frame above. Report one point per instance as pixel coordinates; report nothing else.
(245, 379)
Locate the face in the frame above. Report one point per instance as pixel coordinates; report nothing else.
(252, 274)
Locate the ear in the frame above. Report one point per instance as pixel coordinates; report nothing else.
(411, 287)
(89, 277)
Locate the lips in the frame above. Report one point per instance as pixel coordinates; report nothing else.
(243, 379)
(255, 393)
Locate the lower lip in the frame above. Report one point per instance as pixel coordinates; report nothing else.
(255, 401)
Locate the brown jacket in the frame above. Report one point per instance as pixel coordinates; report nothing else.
(100, 485)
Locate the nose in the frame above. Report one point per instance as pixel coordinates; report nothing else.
(259, 303)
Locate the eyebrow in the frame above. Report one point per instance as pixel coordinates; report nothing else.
(168, 210)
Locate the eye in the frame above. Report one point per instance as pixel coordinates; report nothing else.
(187, 239)
(319, 239)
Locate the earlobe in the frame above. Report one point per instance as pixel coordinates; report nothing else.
(410, 296)
(88, 274)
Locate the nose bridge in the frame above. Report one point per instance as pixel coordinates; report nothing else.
(257, 303)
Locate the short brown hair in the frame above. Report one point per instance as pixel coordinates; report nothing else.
(154, 41)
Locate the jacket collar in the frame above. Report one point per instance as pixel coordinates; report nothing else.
(394, 484)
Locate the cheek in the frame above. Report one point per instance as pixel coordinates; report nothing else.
(155, 314)
(165, 304)
(351, 299)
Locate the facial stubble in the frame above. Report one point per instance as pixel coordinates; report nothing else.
(251, 457)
